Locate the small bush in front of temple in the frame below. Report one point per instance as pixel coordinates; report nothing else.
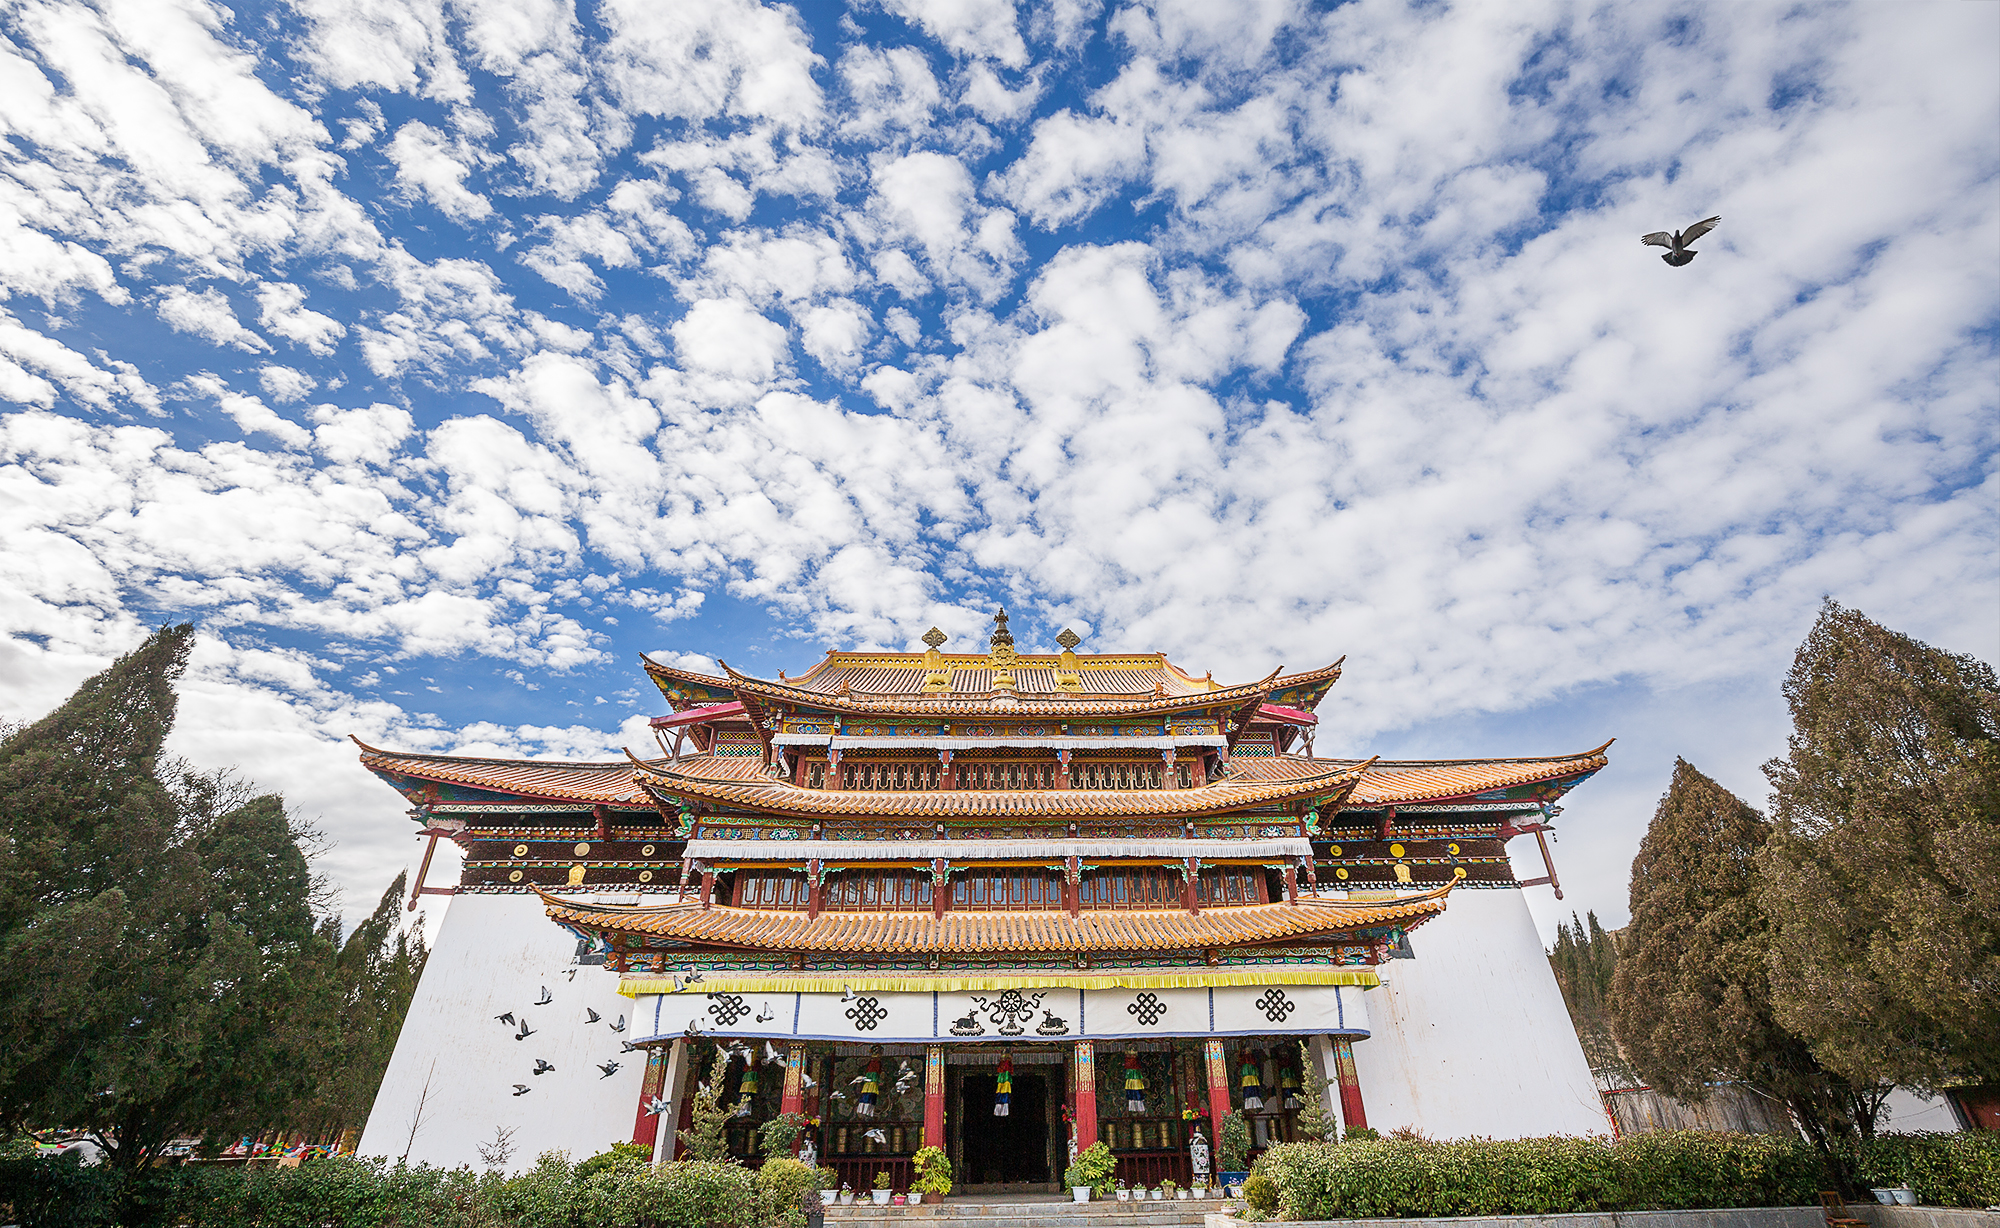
(784, 1187)
(1946, 1170)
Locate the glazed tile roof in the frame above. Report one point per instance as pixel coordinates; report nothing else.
(1388, 782)
(980, 932)
(1252, 782)
(607, 783)
(881, 683)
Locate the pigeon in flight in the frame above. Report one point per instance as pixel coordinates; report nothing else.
(525, 1031)
(766, 1016)
(507, 1018)
(658, 1105)
(593, 1015)
(1676, 243)
(522, 1089)
(876, 1134)
(570, 972)
(620, 1025)
(771, 1055)
(808, 1080)
(609, 1068)
(626, 1046)
(693, 975)
(542, 1067)
(846, 994)
(546, 997)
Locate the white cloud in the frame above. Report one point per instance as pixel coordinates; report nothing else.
(928, 198)
(887, 91)
(969, 27)
(286, 383)
(725, 337)
(283, 311)
(210, 316)
(434, 167)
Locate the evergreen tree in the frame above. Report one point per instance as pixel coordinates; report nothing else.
(376, 975)
(158, 966)
(1691, 1002)
(1884, 871)
(1585, 961)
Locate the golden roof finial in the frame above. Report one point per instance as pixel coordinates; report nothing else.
(1069, 640)
(935, 638)
(937, 679)
(1066, 667)
(1001, 636)
(1001, 656)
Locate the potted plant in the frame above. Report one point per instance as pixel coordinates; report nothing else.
(933, 1174)
(829, 1185)
(1235, 1149)
(897, 1200)
(882, 1183)
(1091, 1172)
(1169, 1188)
(1124, 1194)
(846, 1194)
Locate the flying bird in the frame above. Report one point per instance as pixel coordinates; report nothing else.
(808, 1080)
(693, 975)
(875, 1134)
(609, 1068)
(1676, 243)
(693, 1030)
(522, 1089)
(546, 997)
(765, 1016)
(771, 1055)
(836, 1095)
(658, 1105)
(593, 1015)
(542, 1067)
(846, 994)
(570, 973)
(525, 1031)
(507, 1018)
(626, 1046)
(620, 1025)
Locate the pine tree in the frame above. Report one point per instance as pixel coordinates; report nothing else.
(376, 975)
(1884, 871)
(158, 968)
(1691, 1001)
(1585, 961)
(708, 1118)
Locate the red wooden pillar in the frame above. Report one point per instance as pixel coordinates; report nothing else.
(1218, 1093)
(794, 1100)
(1352, 1115)
(934, 1096)
(1073, 885)
(1291, 884)
(940, 890)
(815, 887)
(647, 1124)
(833, 769)
(708, 888)
(1083, 1079)
(1062, 769)
(1191, 886)
(947, 774)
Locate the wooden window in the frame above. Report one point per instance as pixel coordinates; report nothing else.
(884, 775)
(1000, 890)
(878, 891)
(769, 889)
(1135, 887)
(1013, 774)
(1232, 885)
(1126, 775)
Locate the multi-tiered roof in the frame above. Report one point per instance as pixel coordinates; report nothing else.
(956, 810)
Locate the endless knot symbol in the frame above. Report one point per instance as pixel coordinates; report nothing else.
(866, 1013)
(1146, 1008)
(727, 1008)
(1275, 1005)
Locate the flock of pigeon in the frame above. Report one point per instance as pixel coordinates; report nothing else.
(542, 1065)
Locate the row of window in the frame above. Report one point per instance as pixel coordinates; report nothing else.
(1001, 889)
(901, 775)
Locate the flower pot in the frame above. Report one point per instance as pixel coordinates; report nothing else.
(1886, 1197)
(847, 1198)
(826, 1197)
(1153, 1195)
(881, 1197)
(1905, 1196)
(898, 1200)
(932, 1198)
(1184, 1194)
(1124, 1195)
(1080, 1192)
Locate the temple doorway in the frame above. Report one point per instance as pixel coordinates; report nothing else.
(1010, 1154)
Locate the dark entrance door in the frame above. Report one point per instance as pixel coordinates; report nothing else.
(1006, 1150)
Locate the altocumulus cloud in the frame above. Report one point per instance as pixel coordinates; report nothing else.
(436, 357)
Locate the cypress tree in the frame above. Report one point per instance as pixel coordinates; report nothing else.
(1585, 960)
(1884, 869)
(159, 972)
(376, 974)
(1691, 993)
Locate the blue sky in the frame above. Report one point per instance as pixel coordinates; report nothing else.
(437, 358)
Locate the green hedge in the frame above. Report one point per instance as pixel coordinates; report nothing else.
(1664, 1171)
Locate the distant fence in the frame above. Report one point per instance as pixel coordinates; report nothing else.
(1641, 1110)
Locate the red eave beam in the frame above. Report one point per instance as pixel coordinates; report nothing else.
(700, 716)
(1290, 716)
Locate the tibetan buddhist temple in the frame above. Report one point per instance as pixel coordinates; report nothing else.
(996, 902)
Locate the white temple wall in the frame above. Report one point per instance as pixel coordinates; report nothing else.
(1471, 1036)
(494, 954)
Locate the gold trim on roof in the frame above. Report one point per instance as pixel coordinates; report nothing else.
(971, 932)
(946, 982)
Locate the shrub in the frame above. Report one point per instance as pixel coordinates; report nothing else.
(1947, 1170)
(783, 1186)
(630, 1156)
(1260, 1193)
(696, 1194)
(44, 1191)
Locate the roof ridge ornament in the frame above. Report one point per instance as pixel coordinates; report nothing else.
(937, 678)
(1068, 677)
(1001, 653)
